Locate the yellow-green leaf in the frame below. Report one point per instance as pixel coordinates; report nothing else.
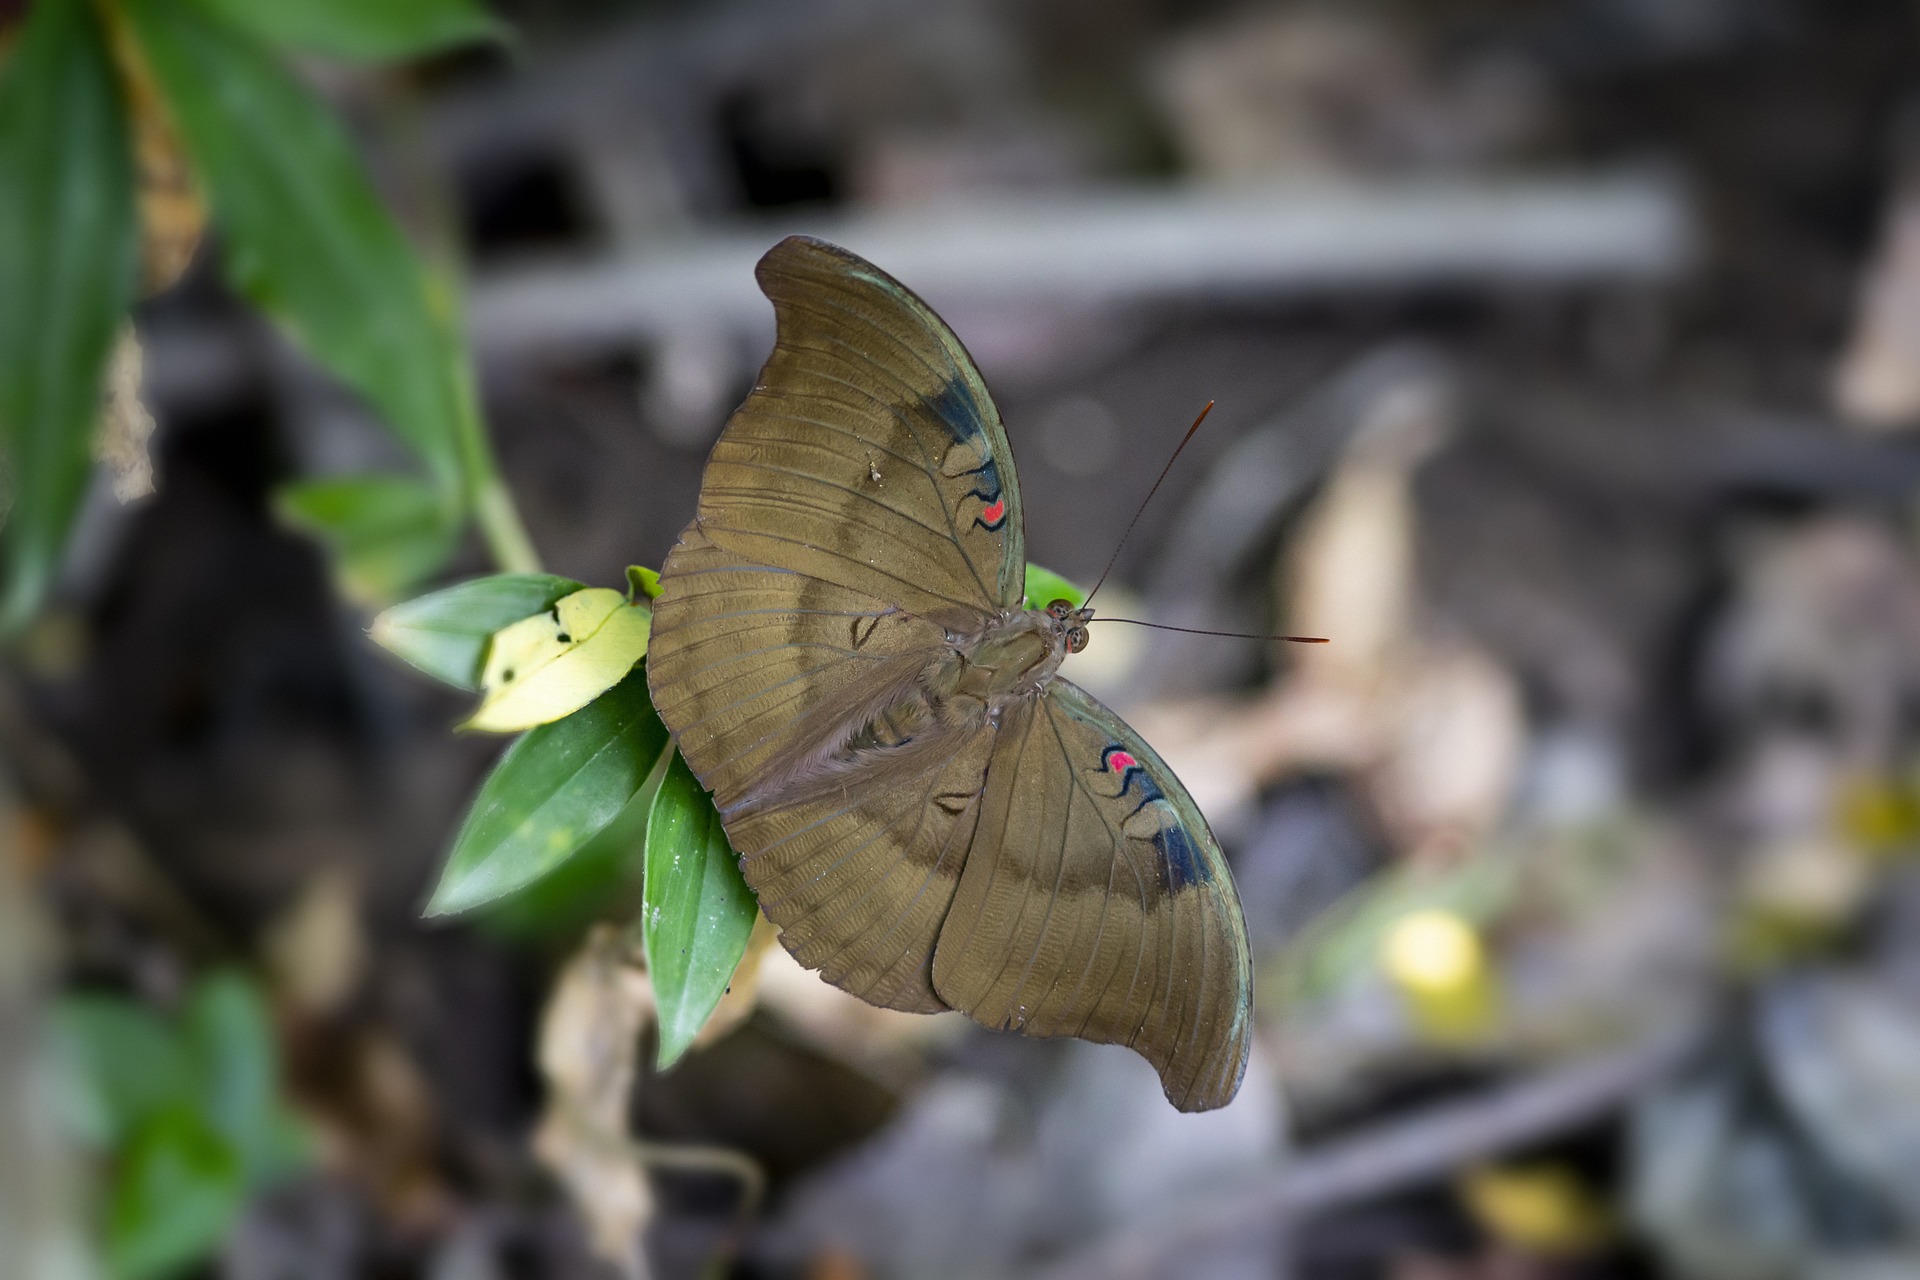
(1044, 586)
(642, 583)
(552, 664)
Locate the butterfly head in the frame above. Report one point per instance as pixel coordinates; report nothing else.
(1070, 624)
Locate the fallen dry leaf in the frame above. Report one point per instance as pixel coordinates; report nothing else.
(589, 1050)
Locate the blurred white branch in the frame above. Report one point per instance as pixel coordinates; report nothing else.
(1234, 243)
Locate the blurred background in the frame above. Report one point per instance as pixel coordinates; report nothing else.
(1566, 356)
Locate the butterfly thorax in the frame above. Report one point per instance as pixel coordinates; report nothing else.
(1011, 658)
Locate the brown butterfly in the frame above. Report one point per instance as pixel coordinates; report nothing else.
(932, 817)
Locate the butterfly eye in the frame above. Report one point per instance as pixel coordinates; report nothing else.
(1076, 639)
(1060, 608)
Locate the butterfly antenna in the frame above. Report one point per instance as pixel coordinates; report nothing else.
(1143, 503)
(1196, 631)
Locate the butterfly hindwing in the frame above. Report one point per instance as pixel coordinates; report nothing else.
(860, 881)
(869, 453)
(1096, 903)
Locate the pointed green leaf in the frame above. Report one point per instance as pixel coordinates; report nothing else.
(445, 633)
(555, 788)
(698, 910)
(305, 238)
(68, 251)
(386, 533)
(1044, 586)
(600, 882)
(361, 30)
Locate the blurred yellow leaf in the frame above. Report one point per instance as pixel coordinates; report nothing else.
(1795, 899)
(1437, 961)
(1544, 1208)
(1877, 813)
(552, 664)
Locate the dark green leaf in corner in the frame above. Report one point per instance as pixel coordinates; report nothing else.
(305, 237)
(551, 793)
(1044, 586)
(361, 30)
(175, 1191)
(68, 250)
(698, 910)
(230, 1035)
(118, 1063)
(445, 633)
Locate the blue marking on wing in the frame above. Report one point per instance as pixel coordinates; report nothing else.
(989, 487)
(955, 407)
(1184, 863)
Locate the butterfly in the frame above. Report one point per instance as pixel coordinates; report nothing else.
(932, 817)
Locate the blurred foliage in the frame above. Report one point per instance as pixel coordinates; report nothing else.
(1542, 1207)
(68, 246)
(305, 239)
(364, 30)
(185, 1113)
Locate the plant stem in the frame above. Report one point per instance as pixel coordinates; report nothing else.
(427, 205)
(492, 502)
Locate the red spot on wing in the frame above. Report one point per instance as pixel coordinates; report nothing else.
(994, 512)
(1119, 762)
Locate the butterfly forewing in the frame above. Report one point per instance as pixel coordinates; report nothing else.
(1096, 903)
(755, 668)
(869, 453)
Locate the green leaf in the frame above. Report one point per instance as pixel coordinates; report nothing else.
(361, 30)
(600, 882)
(386, 533)
(238, 1072)
(555, 788)
(445, 633)
(119, 1064)
(306, 239)
(176, 1190)
(1044, 586)
(642, 583)
(698, 910)
(69, 246)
